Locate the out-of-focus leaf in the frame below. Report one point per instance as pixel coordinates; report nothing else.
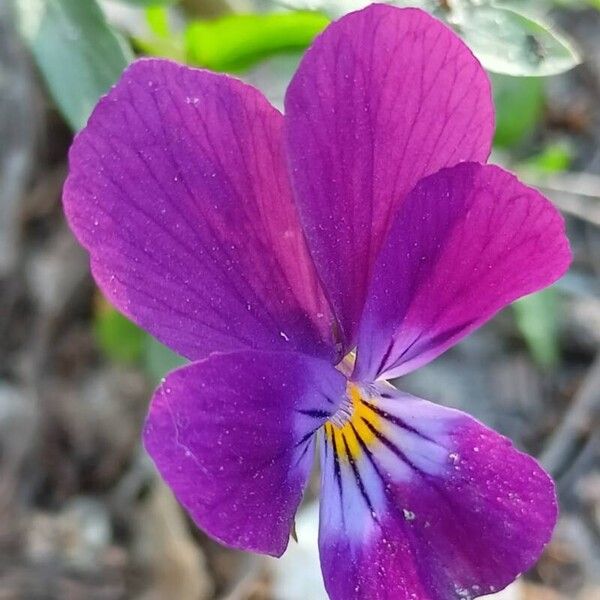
(162, 41)
(578, 3)
(553, 159)
(157, 18)
(508, 42)
(504, 39)
(119, 338)
(158, 359)
(79, 55)
(537, 318)
(148, 2)
(519, 103)
(337, 8)
(236, 42)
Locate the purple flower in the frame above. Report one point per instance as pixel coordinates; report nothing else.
(267, 248)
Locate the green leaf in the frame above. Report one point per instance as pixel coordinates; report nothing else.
(157, 18)
(555, 158)
(148, 2)
(236, 42)
(119, 339)
(158, 359)
(337, 8)
(537, 318)
(162, 41)
(79, 55)
(508, 42)
(504, 39)
(519, 105)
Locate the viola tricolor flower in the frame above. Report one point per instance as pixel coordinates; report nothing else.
(302, 260)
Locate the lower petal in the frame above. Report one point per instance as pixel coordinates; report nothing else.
(233, 437)
(424, 502)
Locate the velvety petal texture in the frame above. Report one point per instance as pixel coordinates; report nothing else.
(178, 189)
(422, 502)
(466, 242)
(233, 437)
(382, 98)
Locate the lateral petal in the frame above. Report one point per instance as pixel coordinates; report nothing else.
(466, 242)
(233, 437)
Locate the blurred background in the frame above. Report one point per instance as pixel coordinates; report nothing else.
(82, 512)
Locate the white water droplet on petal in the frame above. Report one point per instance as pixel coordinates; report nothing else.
(408, 514)
(284, 336)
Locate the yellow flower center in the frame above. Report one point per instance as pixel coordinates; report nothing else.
(354, 427)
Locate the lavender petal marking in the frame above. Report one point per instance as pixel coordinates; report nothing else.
(178, 189)
(383, 98)
(233, 437)
(466, 242)
(460, 528)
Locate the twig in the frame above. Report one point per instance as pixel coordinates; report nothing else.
(578, 423)
(577, 194)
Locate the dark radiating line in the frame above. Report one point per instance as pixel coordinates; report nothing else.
(397, 421)
(307, 436)
(337, 470)
(302, 455)
(385, 356)
(369, 455)
(314, 412)
(400, 356)
(358, 478)
(386, 442)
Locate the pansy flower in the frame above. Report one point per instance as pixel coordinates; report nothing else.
(301, 261)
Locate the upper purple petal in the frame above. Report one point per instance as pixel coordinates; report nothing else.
(466, 242)
(434, 506)
(233, 437)
(384, 97)
(178, 189)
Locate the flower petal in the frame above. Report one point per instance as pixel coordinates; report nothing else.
(233, 437)
(466, 242)
(178, 190)
(384, 97)
(435, 506)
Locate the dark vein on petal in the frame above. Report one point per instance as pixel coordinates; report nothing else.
(358, 479)
(397, 421)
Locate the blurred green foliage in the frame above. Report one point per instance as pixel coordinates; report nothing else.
(537, 318)
(504, 36)
(509, 42)
(236, 42)
(117, 336)
(519, 103)
(150, 3)
(79, 55)
(553, 159)
(158, 359)
(162, 41)
(122, 341)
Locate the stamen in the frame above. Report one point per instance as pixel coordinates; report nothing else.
(354, 426)
(343, 413)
